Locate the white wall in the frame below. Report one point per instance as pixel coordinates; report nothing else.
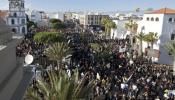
(164, 30)
(168, 28)
(56, 15)
(120, 32)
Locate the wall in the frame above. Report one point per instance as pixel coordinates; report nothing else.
(10, 74)
(168, 28)
(164, 30)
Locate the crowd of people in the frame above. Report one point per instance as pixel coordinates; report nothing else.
(123, 75)
(119, 75)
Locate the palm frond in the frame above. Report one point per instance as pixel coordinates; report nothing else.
(170, 47)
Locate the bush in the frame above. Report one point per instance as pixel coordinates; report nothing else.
(49, 37)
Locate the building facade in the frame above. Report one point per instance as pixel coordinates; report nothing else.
(56, 15)
(10, 71)
(91, 19)
(160, 21)
(34, 15)
(17, 18)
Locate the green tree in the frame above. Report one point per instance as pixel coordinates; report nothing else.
(31, 24)
(62, 87)
(49, 37)
(137, 9)
(170, 47)
(57, 51)
(140, 37)
(132, 27)
(151, 38)
(57, 24)
(55, 21)
(104, 23)
(108, 24)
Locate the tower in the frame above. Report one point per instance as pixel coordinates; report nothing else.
(17, 18)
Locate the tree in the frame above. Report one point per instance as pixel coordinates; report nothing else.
(132, 27)
(137, 9)
(151, 38)
(62, 87)
(57, 24)
(49, 37)
(57, 51)
(170, 46)
(31, 24)
(108, 24)
(104, 23)
(55, 20)
(149, 9)
(140, 37)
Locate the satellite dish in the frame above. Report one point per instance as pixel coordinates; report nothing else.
(28, 59)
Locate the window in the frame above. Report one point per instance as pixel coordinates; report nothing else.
(15, 15)
(147, 18)
(170, 20)
(12, 21)
(172, 36)
(32, 15)
(157, 19)
(23, 30)
(14, 30)
(152, 19)
(23, 21)
(22, 5)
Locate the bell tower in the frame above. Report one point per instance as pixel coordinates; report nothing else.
(17, 17)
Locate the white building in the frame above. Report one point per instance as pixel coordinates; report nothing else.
(91, 19)
(35, 16)
(120, 32)
(160, 21)
(56, 15)
(17, 17)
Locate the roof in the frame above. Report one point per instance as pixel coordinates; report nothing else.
(162, 11)
(3, 14)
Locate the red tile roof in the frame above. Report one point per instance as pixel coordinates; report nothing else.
(163, 11)
(3, 14)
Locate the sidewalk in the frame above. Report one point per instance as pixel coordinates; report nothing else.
(20, 91)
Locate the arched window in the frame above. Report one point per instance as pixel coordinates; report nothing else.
(152, 19)
(12, 21)
(170, 20)
(15, 15)
(23, 30)
(157, 19)
(147, 18)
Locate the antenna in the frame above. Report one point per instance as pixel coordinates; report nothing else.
(28, 59)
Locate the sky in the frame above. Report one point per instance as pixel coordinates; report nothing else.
(93, 5)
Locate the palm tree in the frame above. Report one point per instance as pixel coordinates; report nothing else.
(57, 51)
(170, 46)
(62, 87)
(108, 24)
(132, 27)
(151, 38)
(140, 37)
(113, 26)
